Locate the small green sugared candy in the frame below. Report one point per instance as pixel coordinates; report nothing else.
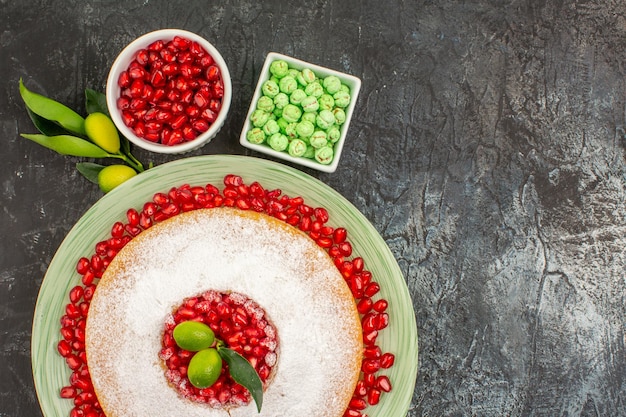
(297, 147)
(333, 134)
(309, 153)
(281, 100)
(324, 155)
(344, 88)
(325, 119)
(259, 118)
(292, 113)
(310, 104)
(287, 84)
(279, 68)
(326, 102)
(318, 139)
(342, 98)
(265, 103)
(340, 115)
(278, 142)
(331, 84)
(304, 129)
(293, 73)
(271, 127)
(278, 113)
(270, 88)
(308, 76)
(291, 130)
(314, 89)
(297, 96)
(255, 135)
(282, 124)
(308, 116)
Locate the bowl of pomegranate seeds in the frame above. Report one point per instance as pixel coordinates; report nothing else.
(169, 91)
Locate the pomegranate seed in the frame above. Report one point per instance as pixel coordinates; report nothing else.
(387, 360)
(357, 404)
(64, 348)
(68, 392)
(364, 305)
(76, 294)
(372, 289)
(373, 396)
(339, 235)
(83, 265)
(383, 383)
(321, 214)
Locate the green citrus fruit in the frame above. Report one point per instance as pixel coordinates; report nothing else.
(193, 335)
(113, 175)
(101, 130)
(204, 368)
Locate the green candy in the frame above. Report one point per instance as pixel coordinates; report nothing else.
(281, 100)
(297, 96)
(279, 68)
(314, 89)
(259, 118)
(340, 115)
(292, 113)
(309, 104)
(271, 127)
(342, 98)
(287, 84)
(318, 139)
(305, 129)
(265, 103)
(331, 84)
(309, 153)
(282, 124)
(255, 135)
(293, 73)
(291, 130)
(333, 134)
(324, 155)
(270, 88)
(308, 76)
(325, 119)
(326, 102)
(309, 117)
(278, 142)
(297, 148)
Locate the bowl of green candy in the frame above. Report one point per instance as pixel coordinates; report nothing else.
(300, 112)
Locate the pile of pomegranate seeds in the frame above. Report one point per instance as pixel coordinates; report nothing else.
(171, 92)
(294, 211)
(242, 325)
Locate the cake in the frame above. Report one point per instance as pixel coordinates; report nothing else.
(224, 250)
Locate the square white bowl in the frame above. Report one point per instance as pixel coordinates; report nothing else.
(351, 81)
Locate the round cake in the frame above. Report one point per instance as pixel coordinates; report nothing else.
(225, 250)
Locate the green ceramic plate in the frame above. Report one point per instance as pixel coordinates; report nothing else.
(49, 369)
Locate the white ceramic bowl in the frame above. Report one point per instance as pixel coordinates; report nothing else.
(128, 55)
(351, 81)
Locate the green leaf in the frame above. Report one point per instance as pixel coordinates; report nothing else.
(52, 110)
(96, 102)
(90, 170)
(69, 145)
(45, 126)
(243, 373)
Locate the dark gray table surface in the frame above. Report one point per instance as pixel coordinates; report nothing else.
(487, 148)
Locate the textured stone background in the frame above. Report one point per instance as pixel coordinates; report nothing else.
(487, 148)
